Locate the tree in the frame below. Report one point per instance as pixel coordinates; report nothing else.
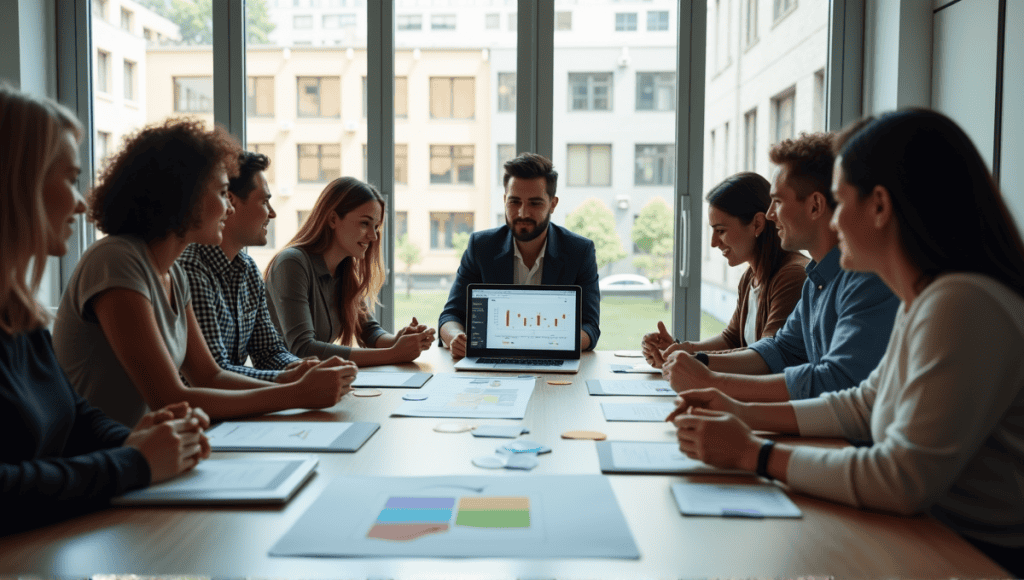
(410, 255)
(195, 19)
(593, 220)
(652, 233)
(460, 240)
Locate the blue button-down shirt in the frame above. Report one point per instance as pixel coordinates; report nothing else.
(837, 333)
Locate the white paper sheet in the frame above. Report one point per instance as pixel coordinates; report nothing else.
(381, 379)
(276, 434)
(655, 456)
(734, 500)
(658, 388)
(648, 412)
(466, 397)
(637, 368)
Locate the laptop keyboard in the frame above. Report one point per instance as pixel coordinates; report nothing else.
(533, 362)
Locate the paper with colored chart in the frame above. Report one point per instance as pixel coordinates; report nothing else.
(467, 397)
(521, 517)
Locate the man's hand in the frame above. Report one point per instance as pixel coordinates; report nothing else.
(685, 372)
(711, 399)
(718, 439)
(654, 342)
(409, 345)
(296, 370)
(458, 345)
(325, 384)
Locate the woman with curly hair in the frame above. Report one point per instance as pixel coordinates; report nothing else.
(125, 327)
(60, 457)
(319, 286)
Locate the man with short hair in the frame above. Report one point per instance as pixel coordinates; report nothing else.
(528, 249)
(838, 331)
(228, 293)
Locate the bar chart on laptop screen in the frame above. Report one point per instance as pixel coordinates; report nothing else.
(545, 321)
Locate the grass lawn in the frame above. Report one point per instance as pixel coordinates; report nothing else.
(623, 320)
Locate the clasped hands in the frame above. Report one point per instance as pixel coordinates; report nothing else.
(172, 439)
(710, 428)
(413, 339)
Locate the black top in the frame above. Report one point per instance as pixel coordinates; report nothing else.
(59, 457)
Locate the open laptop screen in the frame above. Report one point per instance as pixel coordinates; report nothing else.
(524, 320)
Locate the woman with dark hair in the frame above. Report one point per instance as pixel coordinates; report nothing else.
(945, 407)
(61, 457)
(126, 327)
(321, 286)
(768, 290)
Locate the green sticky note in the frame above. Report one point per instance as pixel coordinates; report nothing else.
(493, 518)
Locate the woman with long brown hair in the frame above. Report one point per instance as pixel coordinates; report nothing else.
(320, 288)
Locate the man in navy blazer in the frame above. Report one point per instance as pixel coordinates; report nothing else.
(528, 249)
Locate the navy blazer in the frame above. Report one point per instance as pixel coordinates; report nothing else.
(569, 259)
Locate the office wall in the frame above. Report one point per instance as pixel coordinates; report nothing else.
(1011, 178)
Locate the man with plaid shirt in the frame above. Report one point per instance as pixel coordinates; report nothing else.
(228, 293)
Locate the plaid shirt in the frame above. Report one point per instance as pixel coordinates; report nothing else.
(244, 329)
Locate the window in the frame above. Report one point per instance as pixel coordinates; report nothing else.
(452, 98)
(99, 9)
(268, 150)
(126, 19)
(657, 20)
(712, 152)
(725, 149)
(492, 21)
(783, 108)
(505, 153)
(442, 22)
(259, 96)
(301, 216)
(336, 21)
(783, 8)
(409, 21)
(103, 71)
(401, 98)
(507, 92)
(102, 149)
(129, 80)
(451, 164)
(271, 233)
(445, 224)
(401, 164)
(401, 224)
(750, 140)
(655, 164)
(818, 112)
(625, 21)
(590, 165)
(319, 96)
(590, 91)
(319, 163)
(750, 22)
(193, 94)
(563, 20)
(513, 21)
(656, 91)
(303, 22)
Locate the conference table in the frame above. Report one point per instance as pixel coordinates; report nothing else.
(233, 542)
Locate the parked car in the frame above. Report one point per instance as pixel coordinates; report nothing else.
(629, 285)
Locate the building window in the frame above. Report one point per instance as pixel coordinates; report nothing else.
(492, 21)
(505, 153)
(442, 22)
(452, 97)
(319, 96)
(301, 216)
(409, 21)
(336, 21)
(783, 108)
(783, 8)
(401, 164)
(259, 96)
(443, 225)
(818, 120)
(750, 140)
(319, 163)
(657, 20)
(126, 19)
(513, 21)
(750, 22)
(507, 92)
(563, 20)
(625, 21)
(590, 91)
(99, 9)
(102, 149)
(129, 80)
(103, 71)
(655, 164)
(401, 224)
(590, 165)
(451, 164)
(401, 98)
(655, 91)
(193, 94)
(268, 150)
(303, 22)
(712, 151)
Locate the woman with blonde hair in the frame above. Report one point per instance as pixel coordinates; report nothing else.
(61, 457)
(321, 287)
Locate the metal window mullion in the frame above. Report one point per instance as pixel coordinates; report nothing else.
(845, 58)
(380, 141)
(535, 76)
(229, 66)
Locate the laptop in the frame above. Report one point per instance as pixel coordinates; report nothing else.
(522, 328)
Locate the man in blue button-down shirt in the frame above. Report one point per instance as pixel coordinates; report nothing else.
(838, 331)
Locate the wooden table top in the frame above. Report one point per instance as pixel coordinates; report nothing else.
(830, 539)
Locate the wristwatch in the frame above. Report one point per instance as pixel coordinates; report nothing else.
(703, 358)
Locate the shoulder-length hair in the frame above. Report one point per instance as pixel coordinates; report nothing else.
(358, 279)
(743, 196)
(31, 130)
(950, 213)
(152, 187)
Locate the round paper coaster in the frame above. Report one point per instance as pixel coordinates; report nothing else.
(629, 353)
(414, 397)
(559, 382)
(489, 461)
(453, 427)
(593, 435)
(365, 392)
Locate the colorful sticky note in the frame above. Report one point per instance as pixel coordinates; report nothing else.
(494, 512)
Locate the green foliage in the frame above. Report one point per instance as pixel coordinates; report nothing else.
(460, 241)
(409, 254)
(593, 220)
(195, 20)
(652, 233)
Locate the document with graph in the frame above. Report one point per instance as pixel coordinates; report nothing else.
(289, 436)
(468, 397)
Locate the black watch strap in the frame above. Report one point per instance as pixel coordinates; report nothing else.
(703, 358)
(762, 458)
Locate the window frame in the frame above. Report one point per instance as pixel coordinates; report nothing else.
(592, 85)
